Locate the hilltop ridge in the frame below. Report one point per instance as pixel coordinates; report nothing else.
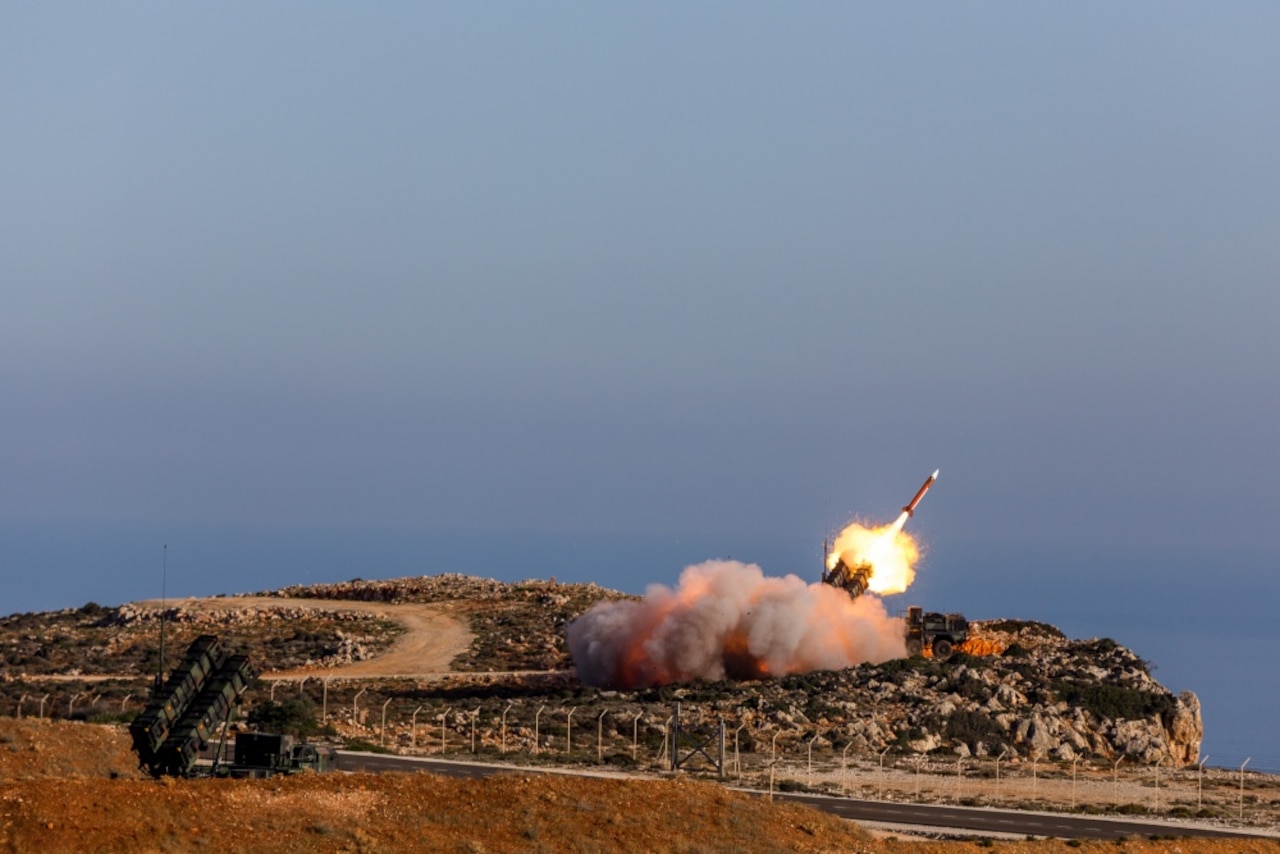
(1032, 693)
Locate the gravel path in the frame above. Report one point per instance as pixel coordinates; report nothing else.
(431, 640)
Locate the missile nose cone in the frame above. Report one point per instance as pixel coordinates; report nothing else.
(934, 476)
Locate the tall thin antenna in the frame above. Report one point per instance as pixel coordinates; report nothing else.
(164, 609)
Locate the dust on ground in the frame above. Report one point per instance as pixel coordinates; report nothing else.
(432, 638)
(73, 787)
(35, 749)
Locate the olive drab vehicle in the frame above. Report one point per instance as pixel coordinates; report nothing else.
(185, 711)
(938, 633)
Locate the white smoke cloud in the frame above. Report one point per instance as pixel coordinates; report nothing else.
(727, 619)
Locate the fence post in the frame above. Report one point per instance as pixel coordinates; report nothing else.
(1200, 785)
(413, 729)
(721, 756)
(882, 786)
(1155, 794)
(844, 769)
(675, 739)
(355, 708)
(1246, 762)
(504, 726)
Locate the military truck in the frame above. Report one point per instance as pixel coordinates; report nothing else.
(938, 633)
(932, 631)
(262, 754)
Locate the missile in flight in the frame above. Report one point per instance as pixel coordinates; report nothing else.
(910, 509)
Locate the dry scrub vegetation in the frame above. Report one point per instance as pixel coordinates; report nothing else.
(124, 641)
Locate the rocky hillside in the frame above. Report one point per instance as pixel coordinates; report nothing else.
(1041, 696)
(1030, 693)
(518, 626)
(94, 640)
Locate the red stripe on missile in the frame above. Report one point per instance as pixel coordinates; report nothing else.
(910, 509)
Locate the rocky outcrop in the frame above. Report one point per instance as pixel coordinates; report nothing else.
(1031, 692)
(1045, 697)
(213, 620)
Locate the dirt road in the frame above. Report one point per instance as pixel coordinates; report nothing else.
(432, 637)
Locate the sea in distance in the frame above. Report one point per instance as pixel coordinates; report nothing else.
(1205, 621)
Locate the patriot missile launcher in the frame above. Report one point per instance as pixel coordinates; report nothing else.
(854, 580)
(186, 711)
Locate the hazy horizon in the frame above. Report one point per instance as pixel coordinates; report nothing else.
(286, 285)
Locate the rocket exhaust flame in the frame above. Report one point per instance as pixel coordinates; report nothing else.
(727, 619)
(883, 557)
(876, 560)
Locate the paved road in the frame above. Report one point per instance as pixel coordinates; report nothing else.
(887, 812)
(999, 821)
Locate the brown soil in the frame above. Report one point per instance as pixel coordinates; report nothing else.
(73, 787)
(31, 749)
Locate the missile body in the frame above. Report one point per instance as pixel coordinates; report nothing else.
(910, 509)
(855, 579)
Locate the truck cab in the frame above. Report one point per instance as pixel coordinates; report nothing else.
(935, 632)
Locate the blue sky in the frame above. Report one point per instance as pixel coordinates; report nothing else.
(311, 291)
(673, 270)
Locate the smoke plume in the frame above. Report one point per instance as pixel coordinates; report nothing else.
(727, 619)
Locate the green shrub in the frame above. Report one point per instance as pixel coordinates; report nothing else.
(362, 746)
(1114, 701)
(973, 727)
(292, 717)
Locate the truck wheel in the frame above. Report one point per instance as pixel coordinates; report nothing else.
(914, 647)
(942, 649)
